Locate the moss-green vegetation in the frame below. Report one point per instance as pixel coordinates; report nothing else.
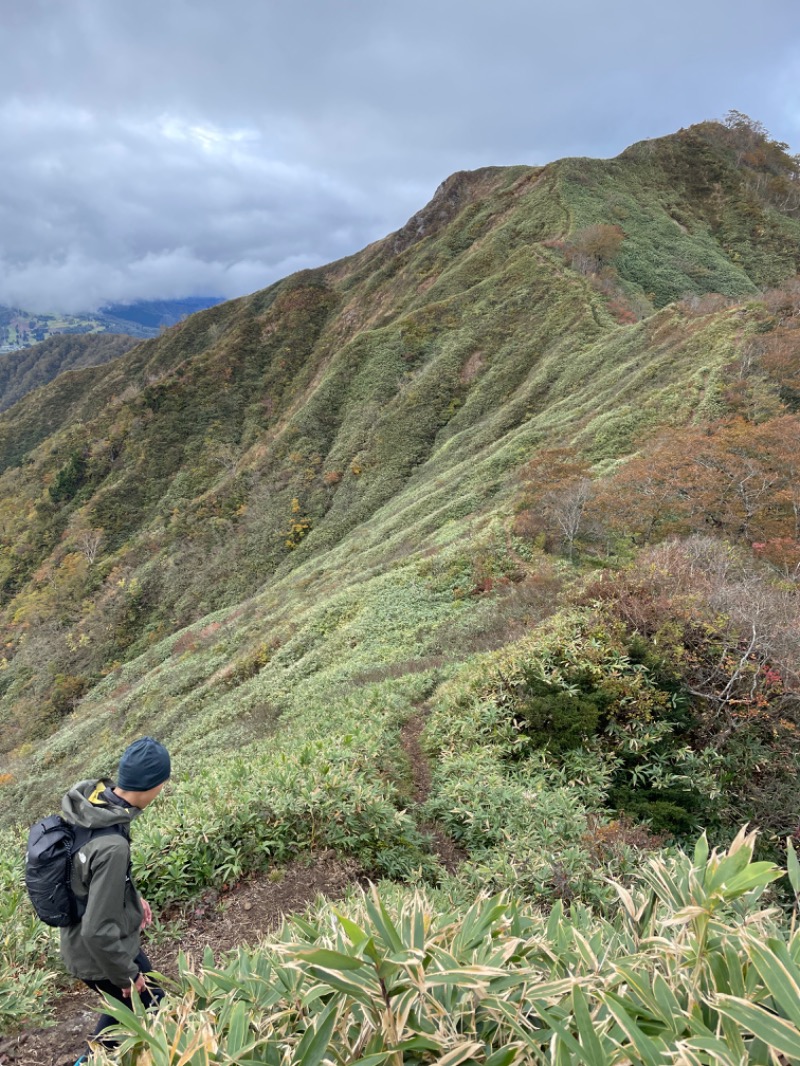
(296, 522)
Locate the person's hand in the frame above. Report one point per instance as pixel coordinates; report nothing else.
(139, 984)
(148, 914)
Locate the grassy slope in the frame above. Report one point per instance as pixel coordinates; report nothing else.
(392, 396)
(374, 414)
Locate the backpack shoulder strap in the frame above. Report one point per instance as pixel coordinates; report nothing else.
(82, 834)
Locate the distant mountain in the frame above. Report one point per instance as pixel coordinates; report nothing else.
(28, 368)
(144, 318)
(153, 315)
(485, 538)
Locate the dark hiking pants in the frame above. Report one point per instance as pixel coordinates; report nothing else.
(151, 997)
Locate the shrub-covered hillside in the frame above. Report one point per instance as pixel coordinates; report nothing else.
(518, 481)
(23, 371)
(333, 426)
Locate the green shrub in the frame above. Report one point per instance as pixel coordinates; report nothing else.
(578, 681)
(690, 966)
(557, 719)
(69, 478)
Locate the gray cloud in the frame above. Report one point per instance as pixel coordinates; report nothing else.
(171, 147)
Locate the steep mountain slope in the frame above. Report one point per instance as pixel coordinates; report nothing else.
(30, 368)
(514, 491)
(310, 445)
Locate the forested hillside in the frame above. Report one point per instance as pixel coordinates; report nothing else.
(523, 474)
(29, 368)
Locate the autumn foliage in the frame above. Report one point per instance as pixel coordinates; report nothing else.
(709, 619)
(734, 478)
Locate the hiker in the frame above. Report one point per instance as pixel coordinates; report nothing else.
(104, 948)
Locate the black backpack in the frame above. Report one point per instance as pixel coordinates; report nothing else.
(52, 842)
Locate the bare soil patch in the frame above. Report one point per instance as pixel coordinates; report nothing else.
(472, 367)
(449, 854)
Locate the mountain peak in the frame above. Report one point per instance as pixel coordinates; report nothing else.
(451, 197)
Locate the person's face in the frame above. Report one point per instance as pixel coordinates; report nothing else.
(146, 798)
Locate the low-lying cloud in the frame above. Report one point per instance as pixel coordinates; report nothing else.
(157, 150)
(124, 210)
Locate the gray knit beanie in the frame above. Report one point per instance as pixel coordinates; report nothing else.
(144, 764)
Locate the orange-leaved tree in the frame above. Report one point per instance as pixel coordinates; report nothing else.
(733, 477)
(557, 489)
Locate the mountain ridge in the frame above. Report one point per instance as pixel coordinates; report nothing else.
(514, 489)
(398, 389)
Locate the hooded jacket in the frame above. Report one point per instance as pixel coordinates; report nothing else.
(105, 943)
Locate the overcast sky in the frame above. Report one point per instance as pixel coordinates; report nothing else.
(163, 148)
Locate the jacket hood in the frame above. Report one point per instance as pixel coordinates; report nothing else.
(78, 808)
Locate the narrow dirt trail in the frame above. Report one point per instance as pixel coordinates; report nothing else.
(449, 854)
(241, 917)
(249, 911)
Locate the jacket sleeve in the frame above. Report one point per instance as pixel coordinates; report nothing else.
(102, 923)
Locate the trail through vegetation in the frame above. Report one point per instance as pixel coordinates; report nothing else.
(443, 846)
(485, 538)
(221, 921)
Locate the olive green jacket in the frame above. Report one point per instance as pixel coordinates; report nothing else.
(105, 943)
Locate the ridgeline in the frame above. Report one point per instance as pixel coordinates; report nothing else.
(524, 471)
